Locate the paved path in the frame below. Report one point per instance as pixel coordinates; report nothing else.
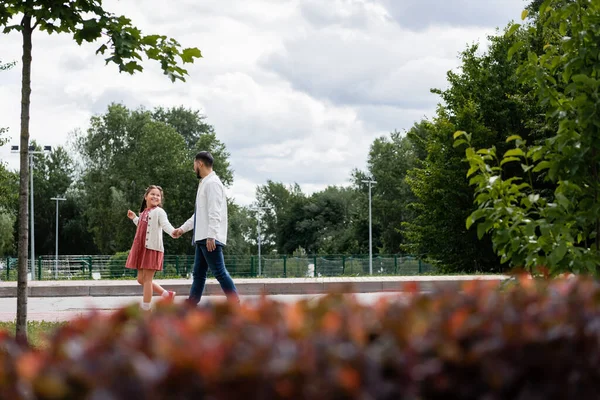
(253, 286)
(66, 308)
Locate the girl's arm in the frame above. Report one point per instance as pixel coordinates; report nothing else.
(163, 222)
(133, 217)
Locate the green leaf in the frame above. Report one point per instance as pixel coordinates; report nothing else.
(132, 66)
(542, 165)
(188, 55)
(562, 200)
(459, 133)
(512, 29)
(101, 49)
(472, 170)
(524, 14)
(562, 29)
(514, 48)
(483, 228)
(509, 159)
(90, 31)
(514, 153)
(11, 28)
(532, 57)
(559, 252)
(513, 137)
(526, 167)
(459, 142)
(151, 40)
(544, 7)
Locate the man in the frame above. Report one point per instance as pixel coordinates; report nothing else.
(209, 223)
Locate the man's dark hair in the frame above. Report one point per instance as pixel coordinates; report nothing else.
(206, 158)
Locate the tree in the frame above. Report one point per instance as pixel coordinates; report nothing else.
(190, 124)
(4, 67)
(53, 175)
(87, 21)
(293, 221)
(8, 197)
(242, 230)
(486, 99)
(123, 152)
(7, 239)
(390, 159)
(529, 228)
(330, 214)
(276, 197)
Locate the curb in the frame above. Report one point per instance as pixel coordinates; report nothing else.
(281, 286)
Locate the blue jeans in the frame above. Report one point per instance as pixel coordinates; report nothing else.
(214, 260)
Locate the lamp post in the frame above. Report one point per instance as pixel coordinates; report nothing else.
(32, 152)
(57, 199)
(258, 231)
(370, 182)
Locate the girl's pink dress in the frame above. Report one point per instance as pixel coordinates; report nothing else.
(141, 257)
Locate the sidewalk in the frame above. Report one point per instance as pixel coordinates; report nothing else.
(251, 286)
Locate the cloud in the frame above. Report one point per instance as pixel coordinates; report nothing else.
(388, 67)
(422, 14)
(296, 89)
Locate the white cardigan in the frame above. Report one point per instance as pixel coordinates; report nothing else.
(157, 222)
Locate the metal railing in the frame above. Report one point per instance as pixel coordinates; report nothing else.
(113, 267)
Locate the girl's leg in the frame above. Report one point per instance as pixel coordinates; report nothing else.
(148, 276)
(157, 288)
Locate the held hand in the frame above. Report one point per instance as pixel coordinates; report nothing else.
(210, 245)
(177, 233)
(130, 214)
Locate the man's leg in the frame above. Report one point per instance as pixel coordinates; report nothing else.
(199, 274)
(216, 263)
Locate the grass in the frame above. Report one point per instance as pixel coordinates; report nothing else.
(37, 331)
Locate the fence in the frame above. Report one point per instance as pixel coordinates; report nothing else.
(113, 267)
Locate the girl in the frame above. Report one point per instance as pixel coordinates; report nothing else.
(146, 255)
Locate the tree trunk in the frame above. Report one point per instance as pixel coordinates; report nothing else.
(21, 332)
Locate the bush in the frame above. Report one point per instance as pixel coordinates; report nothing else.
(116, 265)
(527, 341)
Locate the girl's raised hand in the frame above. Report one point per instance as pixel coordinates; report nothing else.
(130, 214)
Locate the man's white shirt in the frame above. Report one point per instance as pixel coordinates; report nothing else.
(211, 211)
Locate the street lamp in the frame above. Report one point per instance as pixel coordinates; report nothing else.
(370, 182)
(258, 230)
(57, 199)
(32, 152)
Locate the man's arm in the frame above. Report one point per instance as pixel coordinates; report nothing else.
(214, 200)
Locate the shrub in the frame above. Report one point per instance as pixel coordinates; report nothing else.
(529, 341)
(116, 265)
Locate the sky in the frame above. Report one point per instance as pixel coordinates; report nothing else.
(296, 89)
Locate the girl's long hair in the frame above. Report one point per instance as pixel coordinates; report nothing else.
(162, 197)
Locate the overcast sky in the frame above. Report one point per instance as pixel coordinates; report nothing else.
(296, 89)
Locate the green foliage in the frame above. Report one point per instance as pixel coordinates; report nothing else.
(53, 175)
(558, 229)
(317, 223)
(473, 344)
(7, 238)
(390, 159)
(486, 99)
(125, 151)
(88, 21)
(242, 227)
(116, 265)
(6, 66)
(37, 331)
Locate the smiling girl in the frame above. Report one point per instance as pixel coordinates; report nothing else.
(147, 253)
